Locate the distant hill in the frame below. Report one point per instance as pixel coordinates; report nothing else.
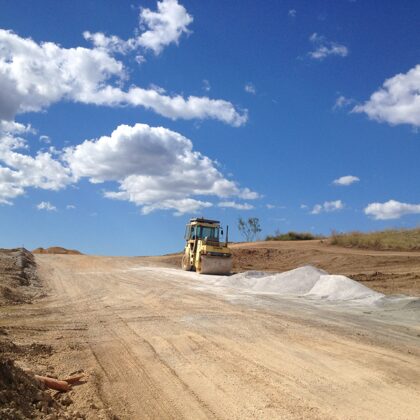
(56, 250)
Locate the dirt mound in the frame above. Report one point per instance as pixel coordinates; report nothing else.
(56, 250)
(18, 280)
(22, 396)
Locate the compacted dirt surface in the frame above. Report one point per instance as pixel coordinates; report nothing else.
(156, 342)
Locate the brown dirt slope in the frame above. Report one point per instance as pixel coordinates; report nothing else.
(56, 250)
(389, 272)
(18, 280)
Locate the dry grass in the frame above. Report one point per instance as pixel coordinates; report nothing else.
(393, 239)
(293, 236)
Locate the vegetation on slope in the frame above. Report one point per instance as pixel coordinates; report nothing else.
(392, 239)
(292, 236)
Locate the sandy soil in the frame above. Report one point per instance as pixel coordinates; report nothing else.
(159, 343)
(389, 272)
(18, 280)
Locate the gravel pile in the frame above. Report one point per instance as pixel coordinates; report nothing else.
(305, 281)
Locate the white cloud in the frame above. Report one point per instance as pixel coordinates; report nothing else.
(19, 171)
(234, 205)
(346, 180)
(9, 185)
(270, 206)
(324, 48)
(45, 139)
(182, 206)
(110, 44)
(14, 128)
(391, 210)
(33, 76)
(70, 207)
(303, 206)
(250, 88)
(327, 207)
(397, 101)
(292, 13)
(46, 205)
(165, 26)
(158, 30)
(343, 102)
(206, 85)
(156, 168)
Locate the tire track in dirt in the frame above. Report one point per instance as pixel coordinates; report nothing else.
(162, 348)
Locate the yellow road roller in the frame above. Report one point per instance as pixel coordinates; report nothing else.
(203, 250)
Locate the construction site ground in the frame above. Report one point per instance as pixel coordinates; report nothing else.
(156, 342)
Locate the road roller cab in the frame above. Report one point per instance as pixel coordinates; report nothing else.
(204, 251)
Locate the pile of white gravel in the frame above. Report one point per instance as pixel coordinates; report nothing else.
(305, 281)
(336, 287)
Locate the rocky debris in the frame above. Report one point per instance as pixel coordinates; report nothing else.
(25, 394)
(18, 279)
(56, 250)
(22, 396)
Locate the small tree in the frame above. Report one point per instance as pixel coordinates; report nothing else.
(250, 228)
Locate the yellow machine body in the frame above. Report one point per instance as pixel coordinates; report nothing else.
(204, 251)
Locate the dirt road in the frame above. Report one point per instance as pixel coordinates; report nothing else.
(161, 345)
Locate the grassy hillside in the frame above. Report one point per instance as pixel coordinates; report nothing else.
(393, 239)
(292, 236)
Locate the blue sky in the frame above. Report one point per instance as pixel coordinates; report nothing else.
(121, 120)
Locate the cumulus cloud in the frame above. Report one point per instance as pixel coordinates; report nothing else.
(165, 26)
(346, 180)
(158, 29)
(46, 205)
(13, 128)
(156, 168)
(250, 88)
(33, 76)
(182, 206)
(19, 171)
(10, 186)
(235, 205)
(327, 207)
(324, 48)
(292, 13)
(397, 101)
(391, 209)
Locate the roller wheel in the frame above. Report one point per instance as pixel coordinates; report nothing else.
(186, 265)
